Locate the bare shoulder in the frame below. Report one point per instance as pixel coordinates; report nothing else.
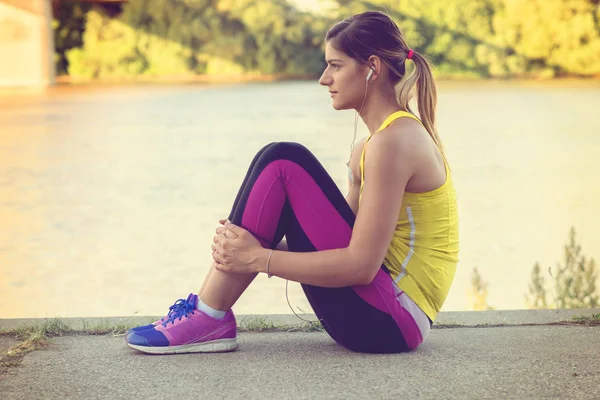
(406, 149)
(405, 140)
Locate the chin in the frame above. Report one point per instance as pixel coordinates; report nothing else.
(340, 106)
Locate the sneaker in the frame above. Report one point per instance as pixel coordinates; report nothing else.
(172, 310)
(187, 330)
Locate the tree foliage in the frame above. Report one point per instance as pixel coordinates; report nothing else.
(68, 26)
(475, 38)
(574, 280)
(499, 38)
(174, 37)
(479, 293)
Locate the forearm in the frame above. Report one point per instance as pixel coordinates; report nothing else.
(327, 268)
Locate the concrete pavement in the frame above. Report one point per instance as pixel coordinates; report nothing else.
(546, 361)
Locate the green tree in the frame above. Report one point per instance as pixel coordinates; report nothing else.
(557, 37)
(68, 24)
(179, 37)
(574, 280)
(110, 50)
(282, 38)
(474, 39)
(479, 292)
(498, 38)
(537, 291)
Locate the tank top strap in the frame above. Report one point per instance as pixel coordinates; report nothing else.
(395, 116)
(391, 118)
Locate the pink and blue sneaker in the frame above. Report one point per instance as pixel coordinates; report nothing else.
(186, 330)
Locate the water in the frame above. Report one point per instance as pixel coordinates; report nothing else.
(109, 196)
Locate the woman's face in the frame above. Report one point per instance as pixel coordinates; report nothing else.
(345, 79)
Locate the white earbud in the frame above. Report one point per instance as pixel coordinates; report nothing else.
(369, 75)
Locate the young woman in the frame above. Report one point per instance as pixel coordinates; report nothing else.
(377, 265)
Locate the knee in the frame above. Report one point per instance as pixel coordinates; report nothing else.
(266, 147)
(288, 150)
(287, 146)
(262, 151)
(278, 147)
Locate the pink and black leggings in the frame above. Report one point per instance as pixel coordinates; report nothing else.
(287, 192)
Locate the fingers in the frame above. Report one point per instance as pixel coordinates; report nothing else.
(222, 233)
(220, 248)
(234, 228)
(224, 241)
(216, 238)
(223, 221)
(221, 267)
(217, 256)
(217, 265)
(228, 233)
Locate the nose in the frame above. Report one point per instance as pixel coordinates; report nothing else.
(325, 79)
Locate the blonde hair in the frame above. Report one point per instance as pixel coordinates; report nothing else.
(374, 33)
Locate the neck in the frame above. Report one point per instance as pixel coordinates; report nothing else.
(377, 108)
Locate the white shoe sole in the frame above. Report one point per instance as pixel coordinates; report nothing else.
(215, 346)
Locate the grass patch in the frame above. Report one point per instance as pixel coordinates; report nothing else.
(13, 356)
(446, 325)
(48, 328)
(262, 324)
(35, 337)
(593, 320)
(106, 327)
(305, 327)
(58, 327)
(256, 324)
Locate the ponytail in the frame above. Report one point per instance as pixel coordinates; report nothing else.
(421, 78)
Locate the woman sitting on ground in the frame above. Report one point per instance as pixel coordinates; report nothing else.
(377, 265)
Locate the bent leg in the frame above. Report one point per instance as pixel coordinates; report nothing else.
(221, 290)
(288, 192)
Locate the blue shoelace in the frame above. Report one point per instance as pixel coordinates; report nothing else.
(173, 309)
(180, 309)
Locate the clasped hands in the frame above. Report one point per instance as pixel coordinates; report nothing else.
(235, 250)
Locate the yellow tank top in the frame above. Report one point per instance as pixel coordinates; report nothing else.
(423, 253)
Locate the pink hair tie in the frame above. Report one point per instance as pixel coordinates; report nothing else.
(410, 54)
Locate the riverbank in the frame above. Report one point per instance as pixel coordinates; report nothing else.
(65, 85)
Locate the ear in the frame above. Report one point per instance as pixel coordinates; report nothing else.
(374, 63)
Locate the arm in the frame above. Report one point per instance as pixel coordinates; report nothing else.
(388, 168)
